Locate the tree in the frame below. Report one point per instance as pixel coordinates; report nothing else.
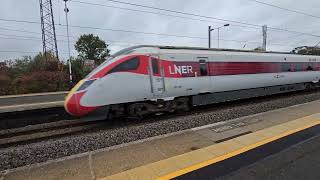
(5, 80)
(79, 70)
(45, 62)
(307, 50)
(92, 47)
(31, 75)
(19, 67)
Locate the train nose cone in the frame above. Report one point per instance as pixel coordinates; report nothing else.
(72, 103)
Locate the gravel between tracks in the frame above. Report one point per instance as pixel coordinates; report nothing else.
(55, 148)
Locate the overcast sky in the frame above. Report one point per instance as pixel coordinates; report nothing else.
(113, 18)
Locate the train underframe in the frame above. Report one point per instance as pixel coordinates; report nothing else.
(142, 109)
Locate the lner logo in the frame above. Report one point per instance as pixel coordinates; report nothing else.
(180, 69)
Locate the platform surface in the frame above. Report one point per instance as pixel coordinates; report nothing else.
(175, 154)
(301, 161)
(24, 102)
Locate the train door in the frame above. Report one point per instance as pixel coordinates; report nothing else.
(204, 82)
(156, 74)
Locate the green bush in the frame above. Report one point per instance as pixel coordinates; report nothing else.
(43, 73)
(5, 84)
(41, 81)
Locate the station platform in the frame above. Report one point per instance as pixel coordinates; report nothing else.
(244, 147)
(25, 102)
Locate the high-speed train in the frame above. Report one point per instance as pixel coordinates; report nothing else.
(142, 80)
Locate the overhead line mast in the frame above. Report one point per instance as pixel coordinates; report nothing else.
(49, 39)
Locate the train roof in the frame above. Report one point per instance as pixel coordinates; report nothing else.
(132, 48)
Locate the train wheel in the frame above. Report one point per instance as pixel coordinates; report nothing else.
(182, 104)
(139, 110)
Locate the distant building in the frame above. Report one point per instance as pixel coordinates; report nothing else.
(89, 63)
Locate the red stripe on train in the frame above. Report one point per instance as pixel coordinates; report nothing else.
(175, 69)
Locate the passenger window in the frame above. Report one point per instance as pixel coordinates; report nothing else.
(129, 65)
(155, 65)
(286, 67)
(299, 67)
(203, 68)
(310, 67)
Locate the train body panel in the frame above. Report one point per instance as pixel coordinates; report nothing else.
(249, 81)
(155, 73)
(130, 88)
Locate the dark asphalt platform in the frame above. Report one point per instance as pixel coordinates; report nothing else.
(301, 161)
(296, 156)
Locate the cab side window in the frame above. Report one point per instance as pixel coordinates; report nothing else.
(129, 65)
(155, 65)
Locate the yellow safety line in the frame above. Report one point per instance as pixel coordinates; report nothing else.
(32, 104)
(234, 153)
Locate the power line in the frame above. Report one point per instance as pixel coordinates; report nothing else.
(173, 11)
(116, 43)
(127, 31)
(25, 52)
(19, 30)
(19, 21)
(13, 38)
(97, 28)
(146, 33)
(286, 9)
(183, 17)
(208, 17)
(180, 12)
(156, 13)
(150, 33)
(136, 32)
(29, 37)
(25, 31)
(108, 29)
(37, 38)
(173, 35)
(16, 37)
(14, 51)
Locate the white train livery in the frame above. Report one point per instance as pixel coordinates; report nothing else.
(148, 79)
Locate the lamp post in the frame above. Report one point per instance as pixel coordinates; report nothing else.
(66, 10)
(209, 36)
(211, 29)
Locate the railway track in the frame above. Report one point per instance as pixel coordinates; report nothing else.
(41, 142)
(11, 120)
(44, 131)
(38, 132)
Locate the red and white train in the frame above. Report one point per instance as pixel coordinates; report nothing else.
(148, 79)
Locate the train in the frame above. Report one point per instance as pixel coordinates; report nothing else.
(146, 79)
